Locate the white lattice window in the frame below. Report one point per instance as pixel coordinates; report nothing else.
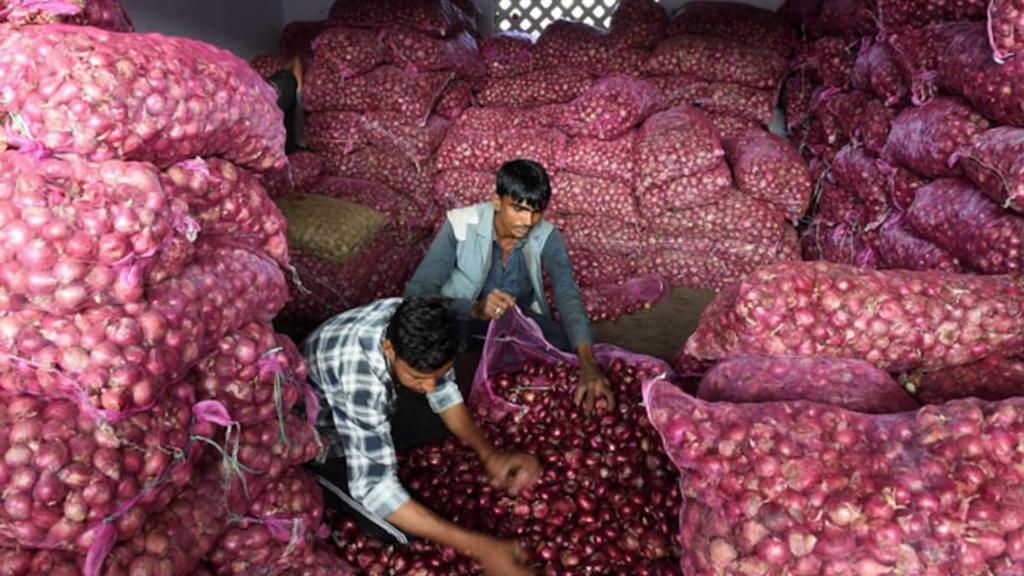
(532, 16)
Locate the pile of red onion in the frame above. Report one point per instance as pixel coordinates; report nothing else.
(606, 503)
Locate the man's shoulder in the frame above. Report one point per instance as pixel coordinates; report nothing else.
(354, 325)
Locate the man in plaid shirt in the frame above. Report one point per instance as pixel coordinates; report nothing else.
(384, 376)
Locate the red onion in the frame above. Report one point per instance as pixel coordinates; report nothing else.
(233, 113)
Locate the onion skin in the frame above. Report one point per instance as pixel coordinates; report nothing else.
(586, 512)
(885, 519)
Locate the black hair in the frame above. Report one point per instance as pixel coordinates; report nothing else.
(423, 333)
(526, 182)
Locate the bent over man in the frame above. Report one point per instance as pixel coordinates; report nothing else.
(383, 374)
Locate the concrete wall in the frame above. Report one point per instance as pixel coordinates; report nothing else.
(245, 27)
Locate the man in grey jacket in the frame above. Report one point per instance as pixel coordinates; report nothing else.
(492, 256)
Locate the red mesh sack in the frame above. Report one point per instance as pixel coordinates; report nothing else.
(852, 384)
(876, 123)
(602, 263)
(924, 138)
(76, 483)
(388, 131)
(1005, 28)
(77, 234)
(506, 54)
(899, 248)
(731, 126)
(457, 188)
(590, 229)
(848, 18)
(769, 168)
(114, 360)
(821, 309)
(174, 540)
(992, 378)
(796, 99)
(498, 119)
(956, 216)
(876, 70)
(610, 108)
(840, 113)
(514, 341)
(467, 148)
(457, 97)
(701, 189)
(751, 25)
(709, 264)
(230, 205)
(995, 163)
(232, 112)
(612, 159)
(834, 58)
(105, 14)
(678, 89)
(345, 52)
(441, 18)
(377, 165)
(255, 373)
(894, 15)
(793, 486)
(967, 68)
(575, 194)
(637, 24)
(402, 209)
(611, 300)
(842, 243)
(278, 529)
(717, 60)
(547, 86)
(680, 141)
(417, 52)
(384, 88)
(735, 216)
(903, 184)
(859, 173)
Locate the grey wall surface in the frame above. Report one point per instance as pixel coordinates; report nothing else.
(252, 27)
(245, 27)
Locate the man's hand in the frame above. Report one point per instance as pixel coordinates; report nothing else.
(494, 306)
(504, 558)
(512, 470)
(593, 383)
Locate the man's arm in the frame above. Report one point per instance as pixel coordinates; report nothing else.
(436, 268)
(498, 557)
(575, 322)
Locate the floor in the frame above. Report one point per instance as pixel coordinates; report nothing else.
(661, 330)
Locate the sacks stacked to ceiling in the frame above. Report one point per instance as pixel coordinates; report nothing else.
(142, 266)
(638, 188)
(907, 114)
(382, 86)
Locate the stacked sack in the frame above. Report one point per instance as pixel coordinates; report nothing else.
(146, 398)
(715, 187)
(572, 101)
(629, 177)
(382, 87)
(907, 122)
(803, 452)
